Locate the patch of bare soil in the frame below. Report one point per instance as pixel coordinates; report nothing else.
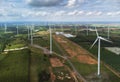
(86, 59)
(66, 46)
(72, 53)
(55, 62)
(75, 51)
(53, 77)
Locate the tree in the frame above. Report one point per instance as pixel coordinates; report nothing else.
(44, 76)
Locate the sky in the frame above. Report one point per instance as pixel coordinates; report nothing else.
(60, 10)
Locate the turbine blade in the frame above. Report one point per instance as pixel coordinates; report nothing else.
(96, 32)
(105, 39)
(94, 43)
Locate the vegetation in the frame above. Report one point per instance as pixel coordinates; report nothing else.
(14, 67)
(44, 41)
(41, 64)
(17, 42)
(106, 56)
(4, 40)
(64, 73)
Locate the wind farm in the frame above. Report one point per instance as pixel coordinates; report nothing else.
(60, 54)
(59, 41)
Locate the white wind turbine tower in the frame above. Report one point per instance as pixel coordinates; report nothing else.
(17, 29)
(87, 30)
(50, 30)
(28, 31)
(108, 32)
(5, 28)
(99, 38)
(31, 29)
(54, 28)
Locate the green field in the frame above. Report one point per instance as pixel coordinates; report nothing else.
(29, 65)
(14, 66)
(108, 57)
(16, 43)
(39, 62)
(44, 41)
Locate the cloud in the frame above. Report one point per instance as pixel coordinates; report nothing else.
(117, 13)
(94, 13)
(73, 12)
(42, 13)
(59, 9)
(60, 13)
(71, 3)
(45, 3)
(80, 13)
(12, 5)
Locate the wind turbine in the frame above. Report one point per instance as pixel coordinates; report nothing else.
(62, 28)
(87, 30)
(17, 29)
(99, 38)
(31, 31)
(5, 28)
(28, 31)
(108, 32)
(50, 30)
(54, 28)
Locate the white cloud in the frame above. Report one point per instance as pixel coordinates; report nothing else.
(94, 13)
(60, 13)
(117, 13)
(89, 13)
(80, 13)
(41, 13)
(98, 13)
(73, 12)
(71, 3)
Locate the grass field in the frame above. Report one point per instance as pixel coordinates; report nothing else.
(14, 67)
(17, 42)
(89, 70)
(106, 56)
(44, 41)
(40, 62)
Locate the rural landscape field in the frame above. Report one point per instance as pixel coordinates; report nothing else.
(58, 53)
(59, 40)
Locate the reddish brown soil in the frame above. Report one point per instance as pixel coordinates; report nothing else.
(55, 62)
(53, 77)
(75, 50)
(86, 59)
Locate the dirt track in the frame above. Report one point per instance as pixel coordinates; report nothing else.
(74, 50)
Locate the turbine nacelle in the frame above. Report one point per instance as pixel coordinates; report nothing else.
(101, 38)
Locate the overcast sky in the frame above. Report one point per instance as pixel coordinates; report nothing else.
(59, 10)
